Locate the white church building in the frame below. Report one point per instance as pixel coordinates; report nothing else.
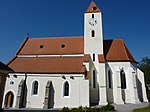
(74, 71)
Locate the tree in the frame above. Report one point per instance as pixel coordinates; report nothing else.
(144, 65)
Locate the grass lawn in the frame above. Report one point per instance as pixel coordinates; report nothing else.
(146, 109)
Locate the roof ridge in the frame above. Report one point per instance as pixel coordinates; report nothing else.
(122, 42)
(56, 37)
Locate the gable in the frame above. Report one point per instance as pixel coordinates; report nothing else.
(91, 8)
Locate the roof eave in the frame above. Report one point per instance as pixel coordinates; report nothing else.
(50, 72)
(122, 61)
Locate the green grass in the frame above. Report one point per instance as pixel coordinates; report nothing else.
(146, 109)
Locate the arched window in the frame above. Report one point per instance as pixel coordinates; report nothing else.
(123, 80)
(66, 89)
(93, 56)
(35, 88)
(109, 79)
(93, 33)
(94, 79)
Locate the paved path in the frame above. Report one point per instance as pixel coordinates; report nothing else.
(129, 107)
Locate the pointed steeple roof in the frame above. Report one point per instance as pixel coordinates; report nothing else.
(92, 8)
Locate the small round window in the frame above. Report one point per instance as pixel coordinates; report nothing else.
(11, 82)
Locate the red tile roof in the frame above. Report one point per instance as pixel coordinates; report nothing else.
(86, 58)
(52, 46)
(101, 58)
(48, 65)
(114, 50)
(91, 8)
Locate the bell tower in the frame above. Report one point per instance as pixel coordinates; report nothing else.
(93, 36)
(93, 45)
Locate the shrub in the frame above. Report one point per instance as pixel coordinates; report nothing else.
(65, 109)
(80, 109)
(85, 109)
(74, 110)
(107, 108)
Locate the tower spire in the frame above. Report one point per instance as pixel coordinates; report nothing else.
(92, 8)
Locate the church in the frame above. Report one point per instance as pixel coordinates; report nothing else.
(74, 71)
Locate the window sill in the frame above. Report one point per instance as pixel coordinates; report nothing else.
(66, 96)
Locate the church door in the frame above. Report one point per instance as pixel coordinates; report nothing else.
(9, 99)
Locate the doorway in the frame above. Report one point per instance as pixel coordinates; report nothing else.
(9, 100)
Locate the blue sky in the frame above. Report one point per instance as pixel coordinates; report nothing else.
(127, 19)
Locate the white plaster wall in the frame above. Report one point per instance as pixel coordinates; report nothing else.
(102, 84)
(141, 85)
(35, 101)
(102, 75)
(84, 93)
(115, 68)
(91, 44)
(79, 91)
(129, 95)
(13, 88)
(113, 65)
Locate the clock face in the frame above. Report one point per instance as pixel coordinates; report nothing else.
(93, 21)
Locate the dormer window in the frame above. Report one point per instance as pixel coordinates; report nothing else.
(41, 46)
(62, 45)
(94, 8)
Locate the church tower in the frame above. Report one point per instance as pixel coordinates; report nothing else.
(93, 36)
(93, 45)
